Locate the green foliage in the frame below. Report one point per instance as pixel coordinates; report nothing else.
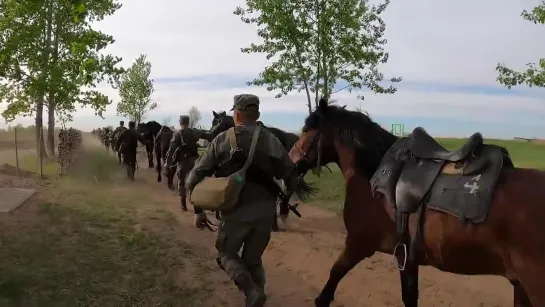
(135, 90)
(48, 54)
(316, 43)
(534, 75)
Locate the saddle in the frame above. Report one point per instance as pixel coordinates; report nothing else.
(418, 173)
(423, 146)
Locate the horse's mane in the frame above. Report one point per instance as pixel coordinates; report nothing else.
(289, 138)
(354, 129)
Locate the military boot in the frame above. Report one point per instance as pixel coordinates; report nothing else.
(258, 276)
(132, 169)
(183, 203)
(255, 296)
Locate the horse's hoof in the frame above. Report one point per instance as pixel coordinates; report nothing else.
(159, 179)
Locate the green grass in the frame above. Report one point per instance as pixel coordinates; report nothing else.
(86, 244)
(331, 185)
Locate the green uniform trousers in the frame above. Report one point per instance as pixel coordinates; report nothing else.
(250, 236)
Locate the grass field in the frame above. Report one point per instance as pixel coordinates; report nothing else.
(86, 244)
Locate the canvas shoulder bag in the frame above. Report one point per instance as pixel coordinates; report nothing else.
(222, 193)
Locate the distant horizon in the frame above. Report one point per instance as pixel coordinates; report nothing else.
(521, 138)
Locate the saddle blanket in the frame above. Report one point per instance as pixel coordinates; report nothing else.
(463, 189)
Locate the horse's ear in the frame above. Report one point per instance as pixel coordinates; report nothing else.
(215, 114)
(322, 105)
(344, 107)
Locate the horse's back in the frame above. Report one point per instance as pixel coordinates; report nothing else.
(511, 234)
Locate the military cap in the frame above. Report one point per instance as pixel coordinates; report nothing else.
(246, 102)
(184, 119)
(121, 122)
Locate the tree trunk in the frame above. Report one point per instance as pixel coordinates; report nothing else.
(51, 126)
(318, 8)
(51, 103)
(40, 147)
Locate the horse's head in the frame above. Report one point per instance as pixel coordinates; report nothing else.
(217, 117)
(142, 128)
(316, 144)
(153, 127)
(332, 133)
(221, 122)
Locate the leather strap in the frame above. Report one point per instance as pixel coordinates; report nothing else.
(255, 137)
(233, 142)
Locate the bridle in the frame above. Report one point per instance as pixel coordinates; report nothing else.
(304, 157)
(219, 124)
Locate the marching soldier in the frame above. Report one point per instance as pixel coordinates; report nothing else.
(127, 143)
(114, 136)
(183, 150)
(248, 225)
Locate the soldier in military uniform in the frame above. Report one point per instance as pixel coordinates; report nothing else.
(114, 136)
(248, 225)
(127, 142)
(183, 150)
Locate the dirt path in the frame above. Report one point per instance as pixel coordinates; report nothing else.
(298, 263)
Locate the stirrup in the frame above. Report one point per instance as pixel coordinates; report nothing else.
(395, 262)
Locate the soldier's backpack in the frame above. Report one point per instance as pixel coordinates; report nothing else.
(222, 193)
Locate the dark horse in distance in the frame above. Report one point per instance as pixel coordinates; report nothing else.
(222, 122)
(149, 130)
(468, 211)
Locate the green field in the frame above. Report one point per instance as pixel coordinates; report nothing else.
(90, 239)
(331, 185)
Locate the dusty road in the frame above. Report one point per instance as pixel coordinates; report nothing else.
(298, 263)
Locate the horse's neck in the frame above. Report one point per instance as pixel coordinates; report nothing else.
(361, 202)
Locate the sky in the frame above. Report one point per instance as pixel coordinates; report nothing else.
(445, 51)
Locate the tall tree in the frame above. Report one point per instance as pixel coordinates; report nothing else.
(135, 90)
(534, 75)
(50, 52)
(316, 44)
(194, 117)
(25, 29)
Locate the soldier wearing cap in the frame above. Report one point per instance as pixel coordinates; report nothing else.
(183, 151)
(114, 138)
(127, 143)
(248, 225)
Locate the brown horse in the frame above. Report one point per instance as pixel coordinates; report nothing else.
(502, 231)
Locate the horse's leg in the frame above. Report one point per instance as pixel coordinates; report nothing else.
(351, 255)
(159, 169)
(170, 178)
(149, 149)
(409, 292)
(520, 297)
(284, 211)
(274, 226)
